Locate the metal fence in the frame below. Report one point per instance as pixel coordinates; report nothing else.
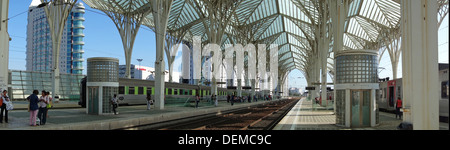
(22, 84)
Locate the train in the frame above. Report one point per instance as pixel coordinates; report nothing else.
(134, 92)
(390, 90)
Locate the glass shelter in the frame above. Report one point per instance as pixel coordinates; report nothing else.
(356, 84)
(102, 83)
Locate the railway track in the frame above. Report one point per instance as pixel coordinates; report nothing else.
(259, 117)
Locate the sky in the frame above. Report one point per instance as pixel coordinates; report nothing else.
(102, 39)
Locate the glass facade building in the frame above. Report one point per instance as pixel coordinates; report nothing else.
(39, 43)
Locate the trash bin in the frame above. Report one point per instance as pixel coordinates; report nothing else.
(405, 126)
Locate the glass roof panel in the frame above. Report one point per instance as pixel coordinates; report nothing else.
(291, 27)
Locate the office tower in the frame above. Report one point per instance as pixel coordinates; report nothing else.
(39, 43)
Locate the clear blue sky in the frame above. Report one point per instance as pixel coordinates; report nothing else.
(102, 40)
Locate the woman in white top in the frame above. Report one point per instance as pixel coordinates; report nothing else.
(42, 114)
(5, 99)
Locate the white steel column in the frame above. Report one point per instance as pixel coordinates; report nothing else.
(4, 44)
(161, 11)
(127, 22)
(420, 63)
(57, 12)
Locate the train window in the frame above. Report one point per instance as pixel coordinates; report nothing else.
(140, 90)
(169, 91)
(444, 90)
(131, 90)
(121, 90)
(175, 91)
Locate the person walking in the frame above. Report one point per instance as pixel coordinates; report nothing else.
(398, 107)
(149, 101)
(42, 113)
(5, 100)
(197, 99)
(33, 107)
(216, 102)
(114, 104)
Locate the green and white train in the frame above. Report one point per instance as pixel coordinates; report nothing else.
(134, 92)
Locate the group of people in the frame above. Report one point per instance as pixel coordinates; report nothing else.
(213, 99)
(38, 107)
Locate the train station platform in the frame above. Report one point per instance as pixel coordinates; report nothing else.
(66, 118)
(304, 117)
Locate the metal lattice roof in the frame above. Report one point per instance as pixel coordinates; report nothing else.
(292, 24)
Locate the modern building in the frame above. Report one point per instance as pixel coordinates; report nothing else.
(146, 73)
(295, 91)
(39, 43)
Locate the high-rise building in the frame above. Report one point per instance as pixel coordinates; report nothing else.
(39, 42)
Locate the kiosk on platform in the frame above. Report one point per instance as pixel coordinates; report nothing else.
(102, 83)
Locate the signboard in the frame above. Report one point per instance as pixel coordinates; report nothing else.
(310, 88)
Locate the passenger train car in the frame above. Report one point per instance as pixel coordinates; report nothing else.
(392, 89)
(134, 91)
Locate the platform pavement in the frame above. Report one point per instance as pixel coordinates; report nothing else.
(303, 117)
(77, 119)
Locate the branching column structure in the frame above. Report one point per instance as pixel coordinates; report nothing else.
(391, 41)
(245, 34)
(161, 11)
(218, 15)
(173, 41)
(128, 17)
(324, 46)
(57, 12)
(420, 63)
(338, 15)
(4, 44)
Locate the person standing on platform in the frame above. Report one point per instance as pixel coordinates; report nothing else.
(232, 99)
(50, 102)
(149, 101)
(114, 104)
(33, 107)
(216, 102)
(4, 100)
(42, 113)
(398, 107)
(197, 99)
